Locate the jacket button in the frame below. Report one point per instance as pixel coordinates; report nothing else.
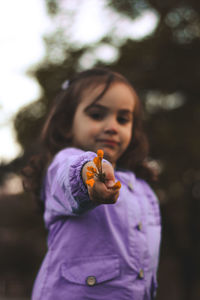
(141, 274)
(139, 226)
(130, 186)
(91, 280)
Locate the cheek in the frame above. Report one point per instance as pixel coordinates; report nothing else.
(94, 128)
(89, 130)
(128, 135)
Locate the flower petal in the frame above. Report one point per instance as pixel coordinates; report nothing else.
(90, 182)
(116, 186)
(100, 153)
(90, 175)
(92, 169)
(97, 162)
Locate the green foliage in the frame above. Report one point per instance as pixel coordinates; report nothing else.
(52, 7)
(130, 8)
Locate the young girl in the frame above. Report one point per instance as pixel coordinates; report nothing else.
(103, 242)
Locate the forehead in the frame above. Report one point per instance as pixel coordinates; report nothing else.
(118, 93)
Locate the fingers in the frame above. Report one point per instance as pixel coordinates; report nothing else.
(101, 190)
(100, 194)
(109, 175)
(109, 171)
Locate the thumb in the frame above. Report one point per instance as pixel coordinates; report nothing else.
(109, 183)
(110, 177)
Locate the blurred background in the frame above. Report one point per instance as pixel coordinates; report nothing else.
(156, 45)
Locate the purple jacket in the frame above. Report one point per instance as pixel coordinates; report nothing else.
(107, 252)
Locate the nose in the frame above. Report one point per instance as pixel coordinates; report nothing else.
(111, 126)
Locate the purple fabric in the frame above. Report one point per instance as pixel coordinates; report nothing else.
(116, 246)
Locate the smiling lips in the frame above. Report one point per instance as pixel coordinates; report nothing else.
(108, 142)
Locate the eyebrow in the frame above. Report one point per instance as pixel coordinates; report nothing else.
(105, 108)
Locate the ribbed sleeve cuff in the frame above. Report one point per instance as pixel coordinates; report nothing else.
(78, 189)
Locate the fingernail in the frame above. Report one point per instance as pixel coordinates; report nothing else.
(110, 183)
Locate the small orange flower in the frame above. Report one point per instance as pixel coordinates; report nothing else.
(100, 153)
(92, 170)
(116, 186)
(97, 162)
(90, 175)
(98, 172)
(90, 182)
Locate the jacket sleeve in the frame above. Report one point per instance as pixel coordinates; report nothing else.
(65, 192)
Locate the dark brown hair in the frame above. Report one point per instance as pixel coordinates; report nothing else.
(56, 131)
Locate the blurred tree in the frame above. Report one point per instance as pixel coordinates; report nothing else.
(164, 66)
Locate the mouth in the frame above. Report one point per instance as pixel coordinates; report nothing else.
(108, 142)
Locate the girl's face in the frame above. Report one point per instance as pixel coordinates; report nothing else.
(107, 123)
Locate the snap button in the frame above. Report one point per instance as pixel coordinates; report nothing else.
(130, 186)
(139, 226)
(91, 280)
(141, 274)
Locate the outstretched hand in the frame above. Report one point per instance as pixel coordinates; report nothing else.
(102, 192)
(100, 179)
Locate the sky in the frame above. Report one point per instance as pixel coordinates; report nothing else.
(23, 23)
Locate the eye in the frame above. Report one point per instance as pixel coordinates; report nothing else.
(98, 116)
(123, 120)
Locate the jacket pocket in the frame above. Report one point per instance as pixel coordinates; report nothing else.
(91, 270)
